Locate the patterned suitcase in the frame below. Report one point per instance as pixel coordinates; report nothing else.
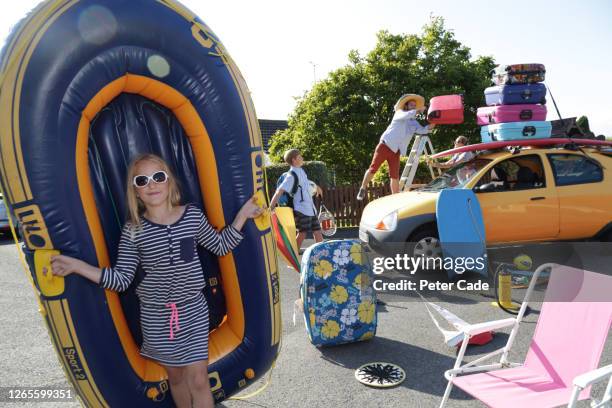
(339, 299)
(518, 74)
(489, 115)
(445, 110)
(516, 94)
(516, 131)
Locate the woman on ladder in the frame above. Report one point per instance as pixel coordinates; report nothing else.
(395, 140)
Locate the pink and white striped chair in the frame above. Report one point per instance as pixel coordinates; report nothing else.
(561, 364)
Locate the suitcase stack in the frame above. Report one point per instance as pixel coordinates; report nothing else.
(516, 105)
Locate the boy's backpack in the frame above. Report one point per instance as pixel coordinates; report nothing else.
(286, 200)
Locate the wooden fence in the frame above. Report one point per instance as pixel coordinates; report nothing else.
(342, 202)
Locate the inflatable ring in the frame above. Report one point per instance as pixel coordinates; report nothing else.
(86, 86)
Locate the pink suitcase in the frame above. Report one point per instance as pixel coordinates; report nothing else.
(489, 115)
(445, 110)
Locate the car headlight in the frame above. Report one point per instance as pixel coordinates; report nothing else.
(388, 223)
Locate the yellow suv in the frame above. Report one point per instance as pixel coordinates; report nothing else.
(535, 194)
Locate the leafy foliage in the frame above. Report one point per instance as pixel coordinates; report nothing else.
(342, 117)
(583, 124)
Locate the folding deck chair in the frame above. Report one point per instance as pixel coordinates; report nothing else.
(561, 364)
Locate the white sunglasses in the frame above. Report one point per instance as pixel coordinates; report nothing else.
(141, 180)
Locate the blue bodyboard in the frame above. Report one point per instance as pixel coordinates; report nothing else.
(336, 287)
(461, 228)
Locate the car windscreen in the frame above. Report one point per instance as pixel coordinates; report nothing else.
(458, 176)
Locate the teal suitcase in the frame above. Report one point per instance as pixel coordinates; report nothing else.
(516, 131)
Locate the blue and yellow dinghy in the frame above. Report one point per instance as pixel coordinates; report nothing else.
(86, 86)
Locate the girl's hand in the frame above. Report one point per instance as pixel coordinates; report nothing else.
(250, 209)
(62, 265)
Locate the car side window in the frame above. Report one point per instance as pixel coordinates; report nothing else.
(570, 169)
(516, 173)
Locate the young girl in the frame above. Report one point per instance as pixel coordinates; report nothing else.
(161, 236)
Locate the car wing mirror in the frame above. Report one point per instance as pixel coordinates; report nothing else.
(485, 188)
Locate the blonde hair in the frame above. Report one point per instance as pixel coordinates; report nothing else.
(135, 205)
(290, 155)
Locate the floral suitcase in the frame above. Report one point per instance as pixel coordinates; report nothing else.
(518, 74)
(516, 94)
(339, 299)
(489, 115)
(446, 110)
(516, 131)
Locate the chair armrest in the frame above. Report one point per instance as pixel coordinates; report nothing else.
(591, 377)
(478, 328)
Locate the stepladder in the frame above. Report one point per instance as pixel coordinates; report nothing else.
(420, 146)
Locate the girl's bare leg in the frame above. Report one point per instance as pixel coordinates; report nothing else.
(178, 386)
(199, 385)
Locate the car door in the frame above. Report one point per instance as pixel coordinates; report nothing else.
(585, 197)
(522, 205)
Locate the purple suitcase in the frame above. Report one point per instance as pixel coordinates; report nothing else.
(489, 115)
(516, 94)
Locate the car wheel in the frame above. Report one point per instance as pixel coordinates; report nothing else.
(425, 242)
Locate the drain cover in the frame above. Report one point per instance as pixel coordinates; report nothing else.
(380, 375)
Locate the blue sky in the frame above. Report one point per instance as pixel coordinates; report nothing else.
(573, 39)
(275, 43)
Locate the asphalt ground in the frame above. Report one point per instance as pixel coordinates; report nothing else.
(304, 376)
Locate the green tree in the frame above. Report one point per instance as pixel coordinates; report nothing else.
(340, 120)
(583, 124)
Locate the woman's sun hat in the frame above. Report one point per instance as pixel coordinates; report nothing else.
(420, 101)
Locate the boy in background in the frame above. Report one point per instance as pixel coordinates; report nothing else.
(303, 207)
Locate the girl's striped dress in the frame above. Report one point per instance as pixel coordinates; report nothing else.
(173, 310)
